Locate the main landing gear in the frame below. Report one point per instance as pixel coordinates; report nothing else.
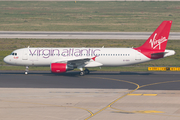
(86, 71)
(26, 71)
(82, 73)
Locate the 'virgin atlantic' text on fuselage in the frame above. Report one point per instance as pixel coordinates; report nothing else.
(63, 52)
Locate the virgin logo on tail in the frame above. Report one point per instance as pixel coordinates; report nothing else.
(155, 43)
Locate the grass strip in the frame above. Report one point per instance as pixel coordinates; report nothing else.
(87, 16)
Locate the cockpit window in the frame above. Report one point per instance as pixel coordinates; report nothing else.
(14, 54)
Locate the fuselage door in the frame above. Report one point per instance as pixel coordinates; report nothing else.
(138, 56)
(25, 54)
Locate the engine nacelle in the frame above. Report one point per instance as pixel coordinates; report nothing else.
(60, 67)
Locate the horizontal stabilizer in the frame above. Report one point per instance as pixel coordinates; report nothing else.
(157, 55)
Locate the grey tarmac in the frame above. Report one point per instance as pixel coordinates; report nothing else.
(100, 95)
(71, 79)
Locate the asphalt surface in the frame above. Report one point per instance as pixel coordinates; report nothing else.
(82, 35)
(97, 96)
(95, 80)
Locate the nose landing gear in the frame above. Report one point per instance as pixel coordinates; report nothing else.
(26, 71)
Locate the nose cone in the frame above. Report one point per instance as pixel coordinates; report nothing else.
(6, 60)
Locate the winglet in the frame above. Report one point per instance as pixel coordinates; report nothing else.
(94, 58)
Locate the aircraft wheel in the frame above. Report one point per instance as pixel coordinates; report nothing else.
(86, 71)
(26, 72)
(81, 73)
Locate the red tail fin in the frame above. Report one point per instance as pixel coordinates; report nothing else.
(157, 42)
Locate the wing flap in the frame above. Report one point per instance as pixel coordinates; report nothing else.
(93, 64)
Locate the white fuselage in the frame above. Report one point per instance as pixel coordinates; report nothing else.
(104, 56)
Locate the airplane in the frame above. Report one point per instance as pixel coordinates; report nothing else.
(61, 60)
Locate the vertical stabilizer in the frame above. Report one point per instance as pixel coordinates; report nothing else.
(157, 42)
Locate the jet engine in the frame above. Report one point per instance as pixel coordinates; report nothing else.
(60, 67)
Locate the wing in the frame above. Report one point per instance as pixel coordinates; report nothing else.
(79, 62)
